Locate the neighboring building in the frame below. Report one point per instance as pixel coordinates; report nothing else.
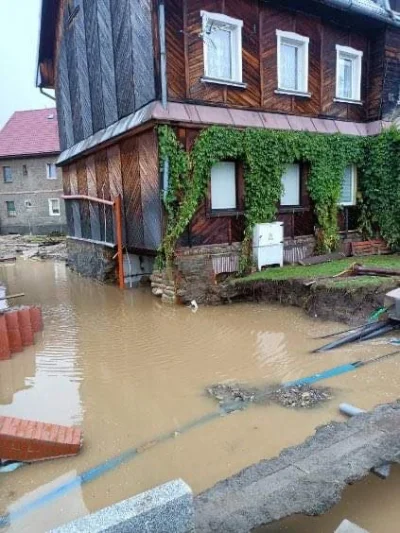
(322, 66)
(30, 183)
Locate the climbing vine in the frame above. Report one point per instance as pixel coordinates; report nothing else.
(380, 185)
(264, 154)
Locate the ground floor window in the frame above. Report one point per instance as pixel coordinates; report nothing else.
(11, 211)
(223, 186)
(349, 186)
(291, 186)
(54, 207)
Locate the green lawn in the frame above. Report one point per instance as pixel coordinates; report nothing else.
(326, 270)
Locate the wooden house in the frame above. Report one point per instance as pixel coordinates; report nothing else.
(122, 67)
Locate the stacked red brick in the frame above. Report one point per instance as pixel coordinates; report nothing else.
(29, 441)
(18, 326)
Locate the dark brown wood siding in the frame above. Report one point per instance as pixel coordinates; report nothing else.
(391, 84)
(260, 22)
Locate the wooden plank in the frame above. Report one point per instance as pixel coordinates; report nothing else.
(142, 50)
(123, 56)
(108, 83)
(94, 65)
(150, 189)
(132, 192)
(83, 70)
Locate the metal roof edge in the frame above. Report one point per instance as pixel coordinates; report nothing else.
(212, 115)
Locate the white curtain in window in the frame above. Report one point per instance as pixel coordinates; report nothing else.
(291, 185)
(345, 77)
(347, 196)
(289, 66)
(223, 185)
(219, 53)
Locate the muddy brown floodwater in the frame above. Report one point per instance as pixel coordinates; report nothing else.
(127, 369)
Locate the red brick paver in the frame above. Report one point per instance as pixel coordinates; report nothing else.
(29, 441)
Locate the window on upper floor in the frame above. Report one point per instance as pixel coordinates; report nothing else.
(7, 175)
(348, 73)
(24, 170)
(11, 211)
(54, 207)
(291, 186)
(51, 171)
(222, 38)
(292, 50)
(223, 186)
(349, 186)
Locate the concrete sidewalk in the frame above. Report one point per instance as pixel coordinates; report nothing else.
(306, 479)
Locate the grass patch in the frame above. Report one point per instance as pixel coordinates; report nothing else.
(325, 270)
(359, 282)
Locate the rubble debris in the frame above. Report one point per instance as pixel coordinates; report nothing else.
(236, 396)
(33, 247)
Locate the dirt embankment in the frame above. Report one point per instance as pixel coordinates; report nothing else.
(33, 246)
(330, 301)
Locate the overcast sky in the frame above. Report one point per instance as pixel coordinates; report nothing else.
(18, 55)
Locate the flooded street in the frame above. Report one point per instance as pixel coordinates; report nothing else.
(128, 369)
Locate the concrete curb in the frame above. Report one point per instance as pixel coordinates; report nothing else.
(165, 509)
(349, 527)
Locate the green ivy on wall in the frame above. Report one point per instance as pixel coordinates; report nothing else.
(380, 185)
(264, 154)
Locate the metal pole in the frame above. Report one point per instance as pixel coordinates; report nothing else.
(163, 55)
(120, 255)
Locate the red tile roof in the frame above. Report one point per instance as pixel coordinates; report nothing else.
(29, 133)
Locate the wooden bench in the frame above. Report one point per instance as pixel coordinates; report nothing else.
(374, 247)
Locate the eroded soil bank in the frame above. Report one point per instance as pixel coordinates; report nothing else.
(340, 301)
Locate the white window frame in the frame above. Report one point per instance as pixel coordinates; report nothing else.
(302, 43)
(235, 203)
(356, 58)
(235, 27)
(51, 211)
(298, 179)
(353, 188)
(48, 166)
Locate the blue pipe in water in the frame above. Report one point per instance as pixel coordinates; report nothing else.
(111, 464)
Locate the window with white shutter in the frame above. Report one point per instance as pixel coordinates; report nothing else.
(349, 186)
(223, 186)
(291, 186)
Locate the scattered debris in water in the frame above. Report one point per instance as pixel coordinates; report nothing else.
(236, 396)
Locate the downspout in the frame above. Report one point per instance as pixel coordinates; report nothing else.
(164, 85)
(42, 91)
(163, 54)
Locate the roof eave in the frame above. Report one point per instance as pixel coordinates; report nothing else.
(47, 38)
(384, 15)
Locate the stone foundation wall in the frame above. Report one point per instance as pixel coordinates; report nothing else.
(195, 274)
(163, 285)
(92, 260)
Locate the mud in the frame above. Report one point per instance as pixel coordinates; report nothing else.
(235, 396)
(320, 300)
